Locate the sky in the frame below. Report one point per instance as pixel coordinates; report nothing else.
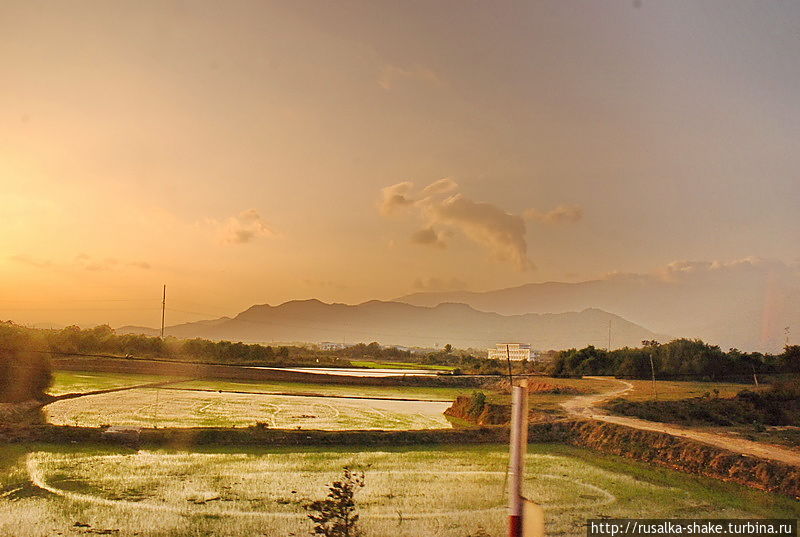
(257, 152)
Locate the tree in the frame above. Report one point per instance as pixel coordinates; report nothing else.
(791, 359)
(448, 349)
(336, 516)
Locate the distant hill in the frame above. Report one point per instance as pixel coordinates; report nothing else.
(403, 324)
(744, 304)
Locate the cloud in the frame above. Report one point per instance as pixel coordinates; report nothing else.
(328, 284)
(705, 272)
(428, 237)
(395, 197)
(501, 232)
(445, 211)
(81, 261)
(439, 284)
(31, 261)
(390, 75)
(442, 186)
(559, 215)
(88, 263)
(245, 227)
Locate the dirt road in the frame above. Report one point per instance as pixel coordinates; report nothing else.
(586, 406)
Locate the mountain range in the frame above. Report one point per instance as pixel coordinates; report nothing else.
(745, 304)
(397, 323)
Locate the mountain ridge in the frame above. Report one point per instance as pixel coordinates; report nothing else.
(397, 323)
(744, 304)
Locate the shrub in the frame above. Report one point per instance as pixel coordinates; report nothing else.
(23, 376)
(477, 402)
(336, 515)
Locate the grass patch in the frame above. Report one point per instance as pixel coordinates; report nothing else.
(670, 390)
(86, 381)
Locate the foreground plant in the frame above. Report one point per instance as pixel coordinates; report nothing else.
(336, 516)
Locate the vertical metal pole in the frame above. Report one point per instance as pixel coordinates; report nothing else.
(519, 444)
(163, 308)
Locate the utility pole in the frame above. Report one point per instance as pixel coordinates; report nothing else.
(519, 445)
(163, 309)
(787, 331)
(510, 375)
(653, 372)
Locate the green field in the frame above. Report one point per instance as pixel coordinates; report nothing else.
(423, 491)
(668, 389)
(87, 381)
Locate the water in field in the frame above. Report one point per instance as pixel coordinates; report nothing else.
(356, 372)
(450, 491)
(146, 407)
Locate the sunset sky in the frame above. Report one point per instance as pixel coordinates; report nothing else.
(258, 152)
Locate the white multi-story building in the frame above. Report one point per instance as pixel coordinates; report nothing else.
(516, 351)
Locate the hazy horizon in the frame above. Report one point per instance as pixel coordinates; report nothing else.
(259, 152)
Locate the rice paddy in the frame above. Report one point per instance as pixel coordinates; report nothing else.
(450, 491)
(154, 407)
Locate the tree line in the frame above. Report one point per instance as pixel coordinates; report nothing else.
(680, 358)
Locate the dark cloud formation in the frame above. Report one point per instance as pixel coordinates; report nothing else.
(428, 237)
(440, 206)
(502, 233)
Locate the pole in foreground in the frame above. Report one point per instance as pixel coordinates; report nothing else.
(519, 445)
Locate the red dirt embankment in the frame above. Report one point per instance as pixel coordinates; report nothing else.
(231, 372)
(648, 446)
(488, 413)
(464, 408)
(680, 454)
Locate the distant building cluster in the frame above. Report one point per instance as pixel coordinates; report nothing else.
(515, 351)
(331, 346)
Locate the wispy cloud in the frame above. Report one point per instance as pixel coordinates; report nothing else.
(82, 261)
(559, 215)
(31, 261)
(439, 284)
(390, 75)
(243, 228)
(395, 197)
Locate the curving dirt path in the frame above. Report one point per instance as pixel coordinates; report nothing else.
(586, 406)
